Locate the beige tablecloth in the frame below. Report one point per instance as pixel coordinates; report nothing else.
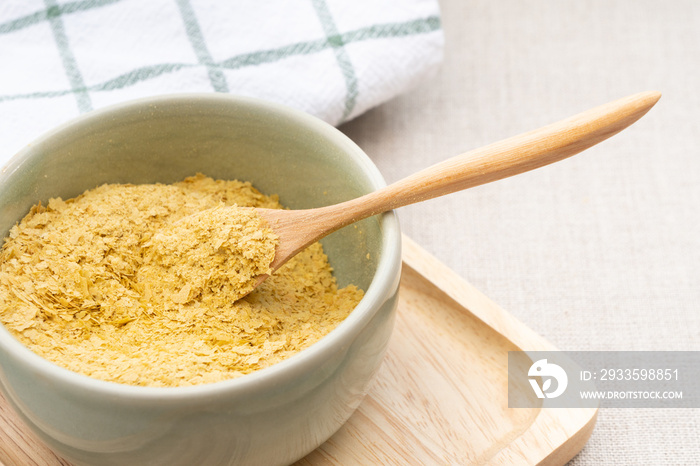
(598, 252)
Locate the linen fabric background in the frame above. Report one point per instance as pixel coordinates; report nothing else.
(597, 252)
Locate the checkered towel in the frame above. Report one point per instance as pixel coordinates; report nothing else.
(332, 58)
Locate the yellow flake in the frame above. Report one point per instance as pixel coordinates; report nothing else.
(137, 284)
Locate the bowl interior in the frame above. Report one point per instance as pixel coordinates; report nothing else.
(281, 151)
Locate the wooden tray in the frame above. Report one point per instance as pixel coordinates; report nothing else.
(440, 396)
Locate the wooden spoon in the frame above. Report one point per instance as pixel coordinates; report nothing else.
(297, 229)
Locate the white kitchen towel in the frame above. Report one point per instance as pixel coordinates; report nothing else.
(332, 58)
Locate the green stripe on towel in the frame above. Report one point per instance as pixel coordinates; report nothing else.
(377, 31)
(194, 33)
(335, 40)
(53, 13)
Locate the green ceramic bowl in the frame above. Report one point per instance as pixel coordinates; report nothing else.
(273, 416)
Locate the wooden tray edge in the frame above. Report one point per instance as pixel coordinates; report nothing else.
(566, 430)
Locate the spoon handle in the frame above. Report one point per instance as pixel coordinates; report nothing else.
(506, 158)
(499, 160)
